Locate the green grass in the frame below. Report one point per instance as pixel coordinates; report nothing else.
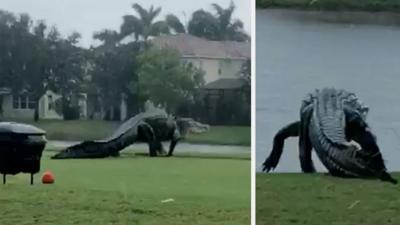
(79, 130)
(357, 5)
(229, 135)
(322, 199)
(130, 190)
(75, 130)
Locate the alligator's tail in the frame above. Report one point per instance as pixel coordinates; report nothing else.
(291, 130)
(109, 147)
(388, 178)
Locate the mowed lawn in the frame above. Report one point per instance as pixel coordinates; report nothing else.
(79, 130)
(318, 199)
(131, 190)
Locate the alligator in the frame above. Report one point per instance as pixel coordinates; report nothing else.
(333, 123)
(151, 128)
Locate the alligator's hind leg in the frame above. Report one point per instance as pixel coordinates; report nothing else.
(291, 130)
(357, 129)
(146, 134)
(305, 146)
(159, 147)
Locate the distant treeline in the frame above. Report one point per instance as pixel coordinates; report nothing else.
(334, 5)
(35, 57)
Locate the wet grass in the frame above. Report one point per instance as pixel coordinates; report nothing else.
(322, 199)
(79, 130)
(334, 5)
(131, 190)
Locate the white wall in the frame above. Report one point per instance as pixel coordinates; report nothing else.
(83, 106)
(230, 68)
(44, 111)
(217, 68)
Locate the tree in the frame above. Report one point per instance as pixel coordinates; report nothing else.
(164, 80)
(204, 24)
(175, 24)
(114, 67)
(108, 37)
(144, 25)
(22, 64)
(66, 68)
(219, 26)
(245, 74)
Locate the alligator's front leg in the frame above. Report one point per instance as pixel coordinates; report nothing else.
(305, 146)
(176, 137)
(172, 147)
(291, 130)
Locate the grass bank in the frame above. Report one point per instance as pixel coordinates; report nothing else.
(79, 130)
(335, 5)
(132, 190)
(322, 199)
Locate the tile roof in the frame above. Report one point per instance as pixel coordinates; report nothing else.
(191, 46)
(225, 83)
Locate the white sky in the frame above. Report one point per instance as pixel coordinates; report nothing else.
(88, 16)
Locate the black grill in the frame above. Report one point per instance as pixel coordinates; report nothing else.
(21, 148)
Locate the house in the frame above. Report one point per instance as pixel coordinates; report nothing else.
(218, 59)
(222, 100)
(22, 106)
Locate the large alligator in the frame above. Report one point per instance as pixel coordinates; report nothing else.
(333, 122)
(151, 128)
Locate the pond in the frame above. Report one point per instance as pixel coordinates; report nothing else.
(297, 53)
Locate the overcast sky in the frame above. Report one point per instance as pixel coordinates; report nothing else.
(88, 16)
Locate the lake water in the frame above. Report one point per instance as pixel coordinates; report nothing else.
(297, 55)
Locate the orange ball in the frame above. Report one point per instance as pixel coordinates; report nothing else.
(48, 177)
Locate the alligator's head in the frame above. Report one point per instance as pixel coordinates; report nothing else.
(64, 154)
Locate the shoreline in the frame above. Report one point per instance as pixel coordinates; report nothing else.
(350, 17)
(333, 5)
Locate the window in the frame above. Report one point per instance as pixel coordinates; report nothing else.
(31, 103)
(23, 102)
(15, 102)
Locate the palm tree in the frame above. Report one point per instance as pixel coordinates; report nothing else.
(228, 29)
(175, 24)
(204, 24)
(107, 37)
(218, 26)
(143, 25)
